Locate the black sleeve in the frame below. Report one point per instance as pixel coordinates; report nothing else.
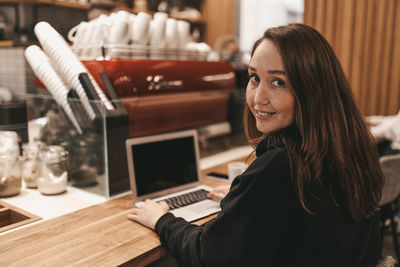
(251, 226)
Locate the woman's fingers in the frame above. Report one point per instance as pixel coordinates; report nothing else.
(149, 213)
(165, 205)
(134, 211)
(217, 196)
(132, 216)
(219, 192)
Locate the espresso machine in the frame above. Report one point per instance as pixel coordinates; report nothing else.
(152, 92)
(162, 95)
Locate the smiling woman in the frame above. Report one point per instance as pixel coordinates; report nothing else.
(268, 94)
(311, 196)
(328, 133)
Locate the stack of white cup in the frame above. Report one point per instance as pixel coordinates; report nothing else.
(67, 65)
(158, 34)
(42, 68)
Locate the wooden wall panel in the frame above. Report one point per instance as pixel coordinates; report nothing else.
(336, 40)
(365, 35)
(346, 41)
(357, 59)
(394, 97)
(387, 58)
(365, 88)
(219, 16)
(377, 64)
(330, 26)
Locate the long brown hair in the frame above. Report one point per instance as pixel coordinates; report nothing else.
(330, 133)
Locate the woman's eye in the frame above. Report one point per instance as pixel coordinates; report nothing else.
(278, 83)
(254, 78)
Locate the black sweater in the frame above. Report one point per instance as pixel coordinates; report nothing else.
(262, 223)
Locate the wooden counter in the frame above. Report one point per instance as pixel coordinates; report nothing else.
(100, 235)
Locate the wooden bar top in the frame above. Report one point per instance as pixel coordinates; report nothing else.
(99, 235)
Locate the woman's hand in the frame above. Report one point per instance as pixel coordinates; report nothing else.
(149, 213)
(219, 192)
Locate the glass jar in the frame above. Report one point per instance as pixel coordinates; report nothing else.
(85, 160)
(8, 141)
(10, 170)
(54, 176)
(31, 164)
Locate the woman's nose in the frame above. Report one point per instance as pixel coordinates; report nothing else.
(261, 96)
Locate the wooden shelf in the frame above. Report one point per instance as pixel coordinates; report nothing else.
(107, 5)
(11, 43)
(190, 20)
(6, 43)
(71, 4)
(25, 1)
(67, 4)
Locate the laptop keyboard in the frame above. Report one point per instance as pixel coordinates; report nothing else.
(186, 199)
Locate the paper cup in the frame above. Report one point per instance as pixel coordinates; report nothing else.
(235, 169)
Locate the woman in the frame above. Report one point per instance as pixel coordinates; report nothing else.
(311, 196)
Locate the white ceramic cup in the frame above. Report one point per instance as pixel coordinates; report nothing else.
(203, 51)
(90, 33)
(73, 32)
(160, 15)
(84, 35)
(132, 18)
(98, 35)
(157, 33)
(119, 31)
(77, 33)
(183, 28)
(235, 169)
(112, 16)
(94, 38)
(171, 33)
(141, 28)
(122, 14)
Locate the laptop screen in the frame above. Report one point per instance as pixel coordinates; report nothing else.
(164, 164)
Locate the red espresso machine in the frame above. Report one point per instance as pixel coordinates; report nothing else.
(158, 95)
(167, 95)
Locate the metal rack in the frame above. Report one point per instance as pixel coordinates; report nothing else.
(133, 51)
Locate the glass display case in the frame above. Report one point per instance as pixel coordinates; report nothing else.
(96, 157)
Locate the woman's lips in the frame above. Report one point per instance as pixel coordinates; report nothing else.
(264, 114)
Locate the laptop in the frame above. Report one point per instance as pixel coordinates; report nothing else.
(166, 167)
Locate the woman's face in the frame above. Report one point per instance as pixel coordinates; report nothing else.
(268, 93)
